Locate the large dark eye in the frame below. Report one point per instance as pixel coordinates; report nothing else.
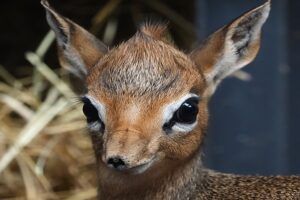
(187, 112)
(90, 112)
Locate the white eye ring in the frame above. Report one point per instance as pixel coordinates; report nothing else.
(170, 109)
(96, 126)
(178, 127)
(99, 106)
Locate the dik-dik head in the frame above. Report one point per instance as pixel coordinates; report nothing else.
(146, 101)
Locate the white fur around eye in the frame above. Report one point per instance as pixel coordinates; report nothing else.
(96, 126)
(184, 127)
(170, 109)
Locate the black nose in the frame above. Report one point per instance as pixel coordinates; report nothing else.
(116, 162)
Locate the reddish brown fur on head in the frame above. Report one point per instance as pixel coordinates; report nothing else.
(138, 88)
(135, 85)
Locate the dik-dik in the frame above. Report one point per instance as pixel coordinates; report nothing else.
(146, 108)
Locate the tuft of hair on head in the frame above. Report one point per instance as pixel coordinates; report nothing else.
(156, 30)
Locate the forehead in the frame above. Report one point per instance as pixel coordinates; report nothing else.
(143, 66)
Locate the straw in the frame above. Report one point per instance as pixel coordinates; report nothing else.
(44, 115)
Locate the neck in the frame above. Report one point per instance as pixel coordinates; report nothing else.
(164, 180)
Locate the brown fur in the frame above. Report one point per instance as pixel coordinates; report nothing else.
(135, 81)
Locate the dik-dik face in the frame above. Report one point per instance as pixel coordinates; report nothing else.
(146, 101)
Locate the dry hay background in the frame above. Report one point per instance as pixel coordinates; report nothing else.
(45, 151)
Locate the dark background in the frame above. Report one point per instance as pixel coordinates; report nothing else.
(254, 124)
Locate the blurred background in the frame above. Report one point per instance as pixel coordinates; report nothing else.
(45, 152)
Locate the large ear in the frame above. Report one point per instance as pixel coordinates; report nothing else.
(231, 47)
(78, 50)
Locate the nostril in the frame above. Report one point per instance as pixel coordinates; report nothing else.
(116, 162)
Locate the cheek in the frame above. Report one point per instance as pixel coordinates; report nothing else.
(154, 144)
(181, 146)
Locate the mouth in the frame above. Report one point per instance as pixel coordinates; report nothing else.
(139, 169)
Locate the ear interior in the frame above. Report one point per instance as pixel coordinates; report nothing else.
(246, 30)
(78, 50)
(231, 47)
